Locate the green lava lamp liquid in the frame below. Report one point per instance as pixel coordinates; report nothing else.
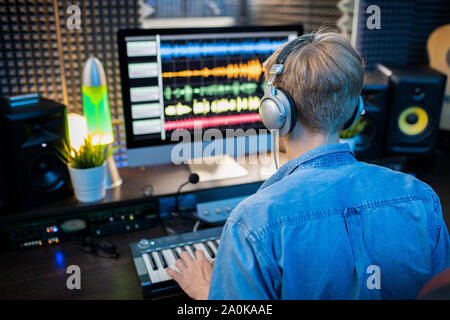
(97, 113)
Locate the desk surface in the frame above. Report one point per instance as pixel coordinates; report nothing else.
(40, 273)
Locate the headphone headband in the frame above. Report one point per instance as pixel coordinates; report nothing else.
(292, 45)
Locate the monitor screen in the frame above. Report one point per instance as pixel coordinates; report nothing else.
(194, 79)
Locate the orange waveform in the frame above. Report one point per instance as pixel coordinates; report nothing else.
(250, 70)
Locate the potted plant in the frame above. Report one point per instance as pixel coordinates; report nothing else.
(350, 135)
(87, 168)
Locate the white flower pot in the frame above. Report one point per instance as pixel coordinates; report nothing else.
(350, 141)
(89, 184)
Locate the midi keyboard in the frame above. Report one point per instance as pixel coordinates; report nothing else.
(152, 256)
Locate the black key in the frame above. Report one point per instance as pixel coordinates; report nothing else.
(163, 261)
(152, 262)
(208, 248)
(175, 254)
(215, 243)
(193, 249)
(183, 248)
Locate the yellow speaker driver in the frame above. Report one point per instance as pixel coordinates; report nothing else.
(413, 120)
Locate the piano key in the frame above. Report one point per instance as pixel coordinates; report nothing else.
(153, 263)
(210, 251)
(188, 249)
(163, 261)
(179, 250)
(200, 246)
(154, 275)
(163, 276)
(212, 246)
(192, 246)
(170, 258)
(216, 244)
(175, 253)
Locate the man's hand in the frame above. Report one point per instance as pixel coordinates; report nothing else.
(194, 275)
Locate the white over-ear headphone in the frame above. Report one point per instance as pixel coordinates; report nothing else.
(277, 109)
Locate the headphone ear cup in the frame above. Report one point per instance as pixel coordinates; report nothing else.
(271, 110)
(356, 114)
(276, 111)
(292, 110)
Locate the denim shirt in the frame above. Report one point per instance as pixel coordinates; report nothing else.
(326, 226)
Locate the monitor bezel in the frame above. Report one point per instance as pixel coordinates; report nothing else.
(125, 86)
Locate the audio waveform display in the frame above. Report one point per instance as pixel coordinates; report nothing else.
(208, 122)
(197, 49)
(251, 70)
(235, 88)
(216, 106)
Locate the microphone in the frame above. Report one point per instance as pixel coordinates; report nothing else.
(193, 178)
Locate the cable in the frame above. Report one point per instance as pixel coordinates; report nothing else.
(275, 158)
(275, 139)
(196, 226)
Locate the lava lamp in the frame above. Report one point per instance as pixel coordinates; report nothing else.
(97, 112)
(96, 102)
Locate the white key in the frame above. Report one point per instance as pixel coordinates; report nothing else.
(200, 246)
(212, 246)
(179, 251)
(154, 276)
(162, 273)
(188, 249)
(170, 259)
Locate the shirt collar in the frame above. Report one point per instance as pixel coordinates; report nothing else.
(307, 157)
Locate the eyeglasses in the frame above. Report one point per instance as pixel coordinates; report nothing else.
(101, 248)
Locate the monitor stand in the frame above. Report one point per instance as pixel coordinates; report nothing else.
(216, 168)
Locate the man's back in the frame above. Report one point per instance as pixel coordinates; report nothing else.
(328, 227)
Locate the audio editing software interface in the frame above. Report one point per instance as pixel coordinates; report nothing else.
(190, 81)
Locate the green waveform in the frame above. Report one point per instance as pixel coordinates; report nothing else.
(205, 106)
(263, 85)
(235, 88)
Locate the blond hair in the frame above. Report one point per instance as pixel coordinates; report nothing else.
(324, 76)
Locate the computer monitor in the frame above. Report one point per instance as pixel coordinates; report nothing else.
(200, 78)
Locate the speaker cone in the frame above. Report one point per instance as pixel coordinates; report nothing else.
(46, 171)
(413, 121)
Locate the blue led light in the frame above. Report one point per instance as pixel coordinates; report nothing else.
(59, 259)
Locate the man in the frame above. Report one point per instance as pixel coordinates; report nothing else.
(324, 226)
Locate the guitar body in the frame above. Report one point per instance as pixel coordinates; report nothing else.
(438, 47)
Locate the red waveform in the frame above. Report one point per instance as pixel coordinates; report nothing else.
(208, 122)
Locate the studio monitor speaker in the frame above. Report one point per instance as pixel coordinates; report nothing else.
(370, 142)
(415, 99)
(35, 174)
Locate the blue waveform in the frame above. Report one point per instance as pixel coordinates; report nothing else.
(197, 49)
